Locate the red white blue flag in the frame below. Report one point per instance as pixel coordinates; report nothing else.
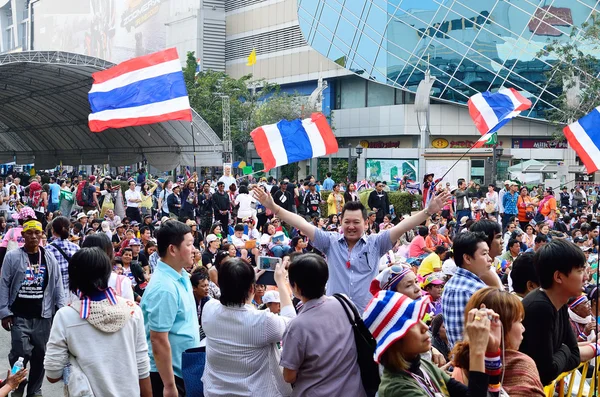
(145, 90)
(491, 110)
(290, 141)
(584, 136)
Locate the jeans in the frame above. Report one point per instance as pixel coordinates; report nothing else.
(52, 207)
(505, 218)
(280, 250)
(28, 340)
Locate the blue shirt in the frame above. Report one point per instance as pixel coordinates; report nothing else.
(509, 201)
(457, 292)
(354, 281)
(168, 305)
(54, 192)
(328, 184)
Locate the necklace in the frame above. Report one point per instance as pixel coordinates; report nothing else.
(426, 384)
(34, 270)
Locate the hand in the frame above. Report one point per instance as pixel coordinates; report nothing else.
(13, 381)
(437, 357)
(589, 328)
(264, 198)
(438, 202)
(482, 336)
(7, 323)
(170, 391)
(280, 274)
(259, 272)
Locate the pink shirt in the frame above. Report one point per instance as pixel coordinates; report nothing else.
(13, 234)
(416, 247)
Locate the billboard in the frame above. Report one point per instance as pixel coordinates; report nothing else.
(391, 170)
(113, 30)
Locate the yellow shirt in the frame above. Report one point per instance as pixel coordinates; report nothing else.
(431, 262)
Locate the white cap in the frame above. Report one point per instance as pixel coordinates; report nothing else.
(271, 297)
(449, 267)
(210, 238)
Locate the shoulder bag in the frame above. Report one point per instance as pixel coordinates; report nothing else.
(365, 347)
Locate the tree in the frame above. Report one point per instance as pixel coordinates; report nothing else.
(573, 76)
(252, 103)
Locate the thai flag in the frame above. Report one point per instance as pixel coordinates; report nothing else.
(144, 90)
(188, 174)
(584, 136)
(491, 110)
(291, 141)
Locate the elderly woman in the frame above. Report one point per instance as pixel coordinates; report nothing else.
(242, 358)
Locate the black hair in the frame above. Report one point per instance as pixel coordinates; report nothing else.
(354, 206)
(238, 228)
(60, 226)
(89, 271)
(198, 275)
(558, 255)
(309, 273)
(523, 271)
(540, 239)
(466, 243)
(328, 175)
(221, 257)
(220, 183)
(171, 232)
(487, 227)
(422, 231)
(512, 242)
(243, 189)
(295, 241)
(99, 240)
(460, 181)
(78, 226)
(235, 279)
(143, 230)
(440, 249)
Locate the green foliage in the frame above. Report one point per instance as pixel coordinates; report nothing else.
(339, 169)
(575, 68)
(252, 103)
(403, 202)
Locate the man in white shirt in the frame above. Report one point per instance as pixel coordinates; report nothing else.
(239, 241)
(227, 179)
(133, 198)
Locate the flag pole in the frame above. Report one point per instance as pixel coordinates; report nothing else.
(193, 145)
(457, 161)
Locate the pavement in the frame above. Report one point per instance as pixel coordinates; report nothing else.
(48, 390)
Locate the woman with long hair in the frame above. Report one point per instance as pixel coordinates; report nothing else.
(108, 196)
(100, 324)
(167, 189)
(521, 378)
(529, 236)
(351, 194)
(146, 191)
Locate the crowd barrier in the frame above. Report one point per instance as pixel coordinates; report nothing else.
(575, 378)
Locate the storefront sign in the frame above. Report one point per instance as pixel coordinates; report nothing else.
(380, 144)
(538, 144)
(465, 144)
(440, 143)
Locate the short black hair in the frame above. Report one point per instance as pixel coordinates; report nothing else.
(558, 255)
(354, 206)
(235, 279)
(440, 249)
(540, 239)
(89, 271)
(487, 227)
(309, 273)
(171, 232)
(220, 183)
(523, 271)
(99, 240)
(238, 228)
(422, 231)
(198, 275)
(243, 189)
(512, 242)
(466, 243)
(328, 175)
(143, 230)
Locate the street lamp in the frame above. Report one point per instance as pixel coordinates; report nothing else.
(359, 150)
(496, 154)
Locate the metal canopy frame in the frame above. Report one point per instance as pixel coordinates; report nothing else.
(43, 119)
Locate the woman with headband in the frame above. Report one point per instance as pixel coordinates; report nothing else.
(581, 319)
(397, 278)
(395, 320)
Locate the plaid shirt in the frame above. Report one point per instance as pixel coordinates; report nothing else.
(457, 292)
(70, 249)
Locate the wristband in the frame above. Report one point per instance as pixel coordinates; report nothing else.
(493, 363)
(596, 348)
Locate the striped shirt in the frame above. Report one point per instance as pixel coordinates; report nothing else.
(242, 358)
(70, 249)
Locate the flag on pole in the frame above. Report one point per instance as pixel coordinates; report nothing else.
(491, 110)
(252, 58)
(188, 174)
(584, 136)
(145, 90)
(291, 141)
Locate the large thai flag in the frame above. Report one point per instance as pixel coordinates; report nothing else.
(291, 141)
(490, 111)
(145, 90)
(584, 136)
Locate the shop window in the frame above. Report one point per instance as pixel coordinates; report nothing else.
(353, 93)
(379, 95)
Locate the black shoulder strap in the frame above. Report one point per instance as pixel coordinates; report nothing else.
(348, 307)
(63, 253)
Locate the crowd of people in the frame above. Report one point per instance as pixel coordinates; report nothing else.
(162, 289)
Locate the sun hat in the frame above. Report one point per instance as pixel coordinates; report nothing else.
(24, 213)
(507, 182)
(432, 279)
(81, 215)
(389, 278)
(210, 238)
(119, 225)
(271, 297)
(190, 222)
(463, 220)
(105, 226)
(390, 315)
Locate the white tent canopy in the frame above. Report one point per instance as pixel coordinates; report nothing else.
(43, 120)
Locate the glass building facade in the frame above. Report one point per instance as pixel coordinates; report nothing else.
(469, 46)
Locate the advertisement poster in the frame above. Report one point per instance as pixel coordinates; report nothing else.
(391, 170)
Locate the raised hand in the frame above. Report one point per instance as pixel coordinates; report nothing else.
(263, 197)
(438, 202)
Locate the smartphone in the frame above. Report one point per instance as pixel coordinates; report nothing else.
(268, 263)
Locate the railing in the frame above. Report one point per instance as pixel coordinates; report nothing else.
(558, 384)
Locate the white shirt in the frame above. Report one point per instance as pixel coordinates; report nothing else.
(245, 201)
(242, 358)
(126, 288)
(132, 195)
(228, 180)
(163, 195)
(239, 242)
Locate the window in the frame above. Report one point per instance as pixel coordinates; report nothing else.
(478, 171)
(404, 97)
(379, 95)
(353, 92)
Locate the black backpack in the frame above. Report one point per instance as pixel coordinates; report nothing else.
(365, 347)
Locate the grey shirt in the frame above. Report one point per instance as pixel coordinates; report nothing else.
(319, 344)
(13, 274)
(353, 279)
